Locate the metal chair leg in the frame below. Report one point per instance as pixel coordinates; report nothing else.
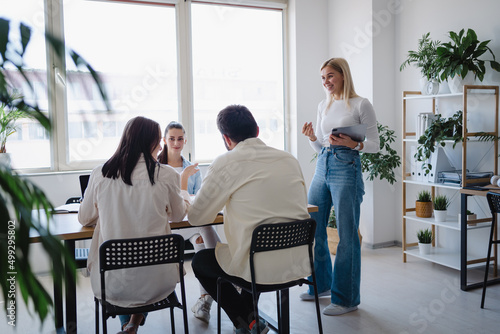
(172, 320)
(493, 223)
(96, 301)
(219, 293)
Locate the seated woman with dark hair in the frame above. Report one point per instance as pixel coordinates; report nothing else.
(202, 237)
(132, 196)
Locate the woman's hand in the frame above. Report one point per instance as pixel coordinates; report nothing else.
(186, 173)
(342, 140)
(308, 131)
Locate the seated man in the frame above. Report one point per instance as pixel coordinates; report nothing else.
(255, 184)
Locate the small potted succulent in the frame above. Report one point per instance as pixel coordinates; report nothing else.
(471, 217)
(441, 203)
(423, 204)
(425, 238)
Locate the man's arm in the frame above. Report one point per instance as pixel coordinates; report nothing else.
(211, 198)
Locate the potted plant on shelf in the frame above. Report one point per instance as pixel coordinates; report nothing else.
(471, 217)
(425, 59)
(425, 238)
(441, 129)
(423, 204)
(441, 203)
(460, 57)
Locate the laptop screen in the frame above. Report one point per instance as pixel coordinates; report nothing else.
(84, 181)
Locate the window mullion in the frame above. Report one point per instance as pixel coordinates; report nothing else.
(56, 86)
(185, 74)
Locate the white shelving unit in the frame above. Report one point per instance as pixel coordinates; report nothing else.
(440, 255)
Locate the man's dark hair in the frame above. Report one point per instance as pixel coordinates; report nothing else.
(237, 122)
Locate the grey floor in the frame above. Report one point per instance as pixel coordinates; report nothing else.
(396, 297)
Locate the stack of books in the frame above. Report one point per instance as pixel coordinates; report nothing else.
(455, 177)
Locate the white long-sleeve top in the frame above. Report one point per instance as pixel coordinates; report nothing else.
(255, 184)
(339, 114)
(122, 211)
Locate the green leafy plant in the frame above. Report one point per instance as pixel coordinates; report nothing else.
(441, 129)
(469, 212)
(332, 220)
(461, 55)
(383, 163)
(441, 202)
(18, 196)
(424, 196)
(425, 236)
(424, 58)
(9, 114)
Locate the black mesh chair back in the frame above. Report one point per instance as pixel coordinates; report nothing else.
(494, 204)
(139, 252)
(271, 237)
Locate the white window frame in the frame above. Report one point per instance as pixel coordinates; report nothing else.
(56, 75)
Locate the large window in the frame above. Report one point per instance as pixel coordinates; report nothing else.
(163, 59)
(133, 47)
(29, 146)
(237, 59)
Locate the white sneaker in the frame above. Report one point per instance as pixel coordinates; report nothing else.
(334, 309)
(307, 296)
(202, 307)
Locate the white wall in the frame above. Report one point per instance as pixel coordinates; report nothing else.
(308, 44)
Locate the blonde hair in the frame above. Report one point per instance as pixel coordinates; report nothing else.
(340, 65)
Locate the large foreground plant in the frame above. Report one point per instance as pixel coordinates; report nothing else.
(19, 197)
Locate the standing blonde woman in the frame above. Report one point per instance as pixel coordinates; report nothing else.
(338, 181)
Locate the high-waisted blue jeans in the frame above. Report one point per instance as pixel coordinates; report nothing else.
(338, 181)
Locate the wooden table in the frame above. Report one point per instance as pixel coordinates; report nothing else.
(67, 227)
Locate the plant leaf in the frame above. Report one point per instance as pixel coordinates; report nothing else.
(4, 38)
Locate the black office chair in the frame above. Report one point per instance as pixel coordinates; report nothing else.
(158, 250)
(270, 237)
(494, 203)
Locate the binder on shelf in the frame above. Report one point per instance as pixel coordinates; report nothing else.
(439, 162)
(420, 171)
(424, 120)
(413, 162)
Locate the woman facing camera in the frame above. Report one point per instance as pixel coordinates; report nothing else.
(201, 237)
(338, 181)
(133, 196)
